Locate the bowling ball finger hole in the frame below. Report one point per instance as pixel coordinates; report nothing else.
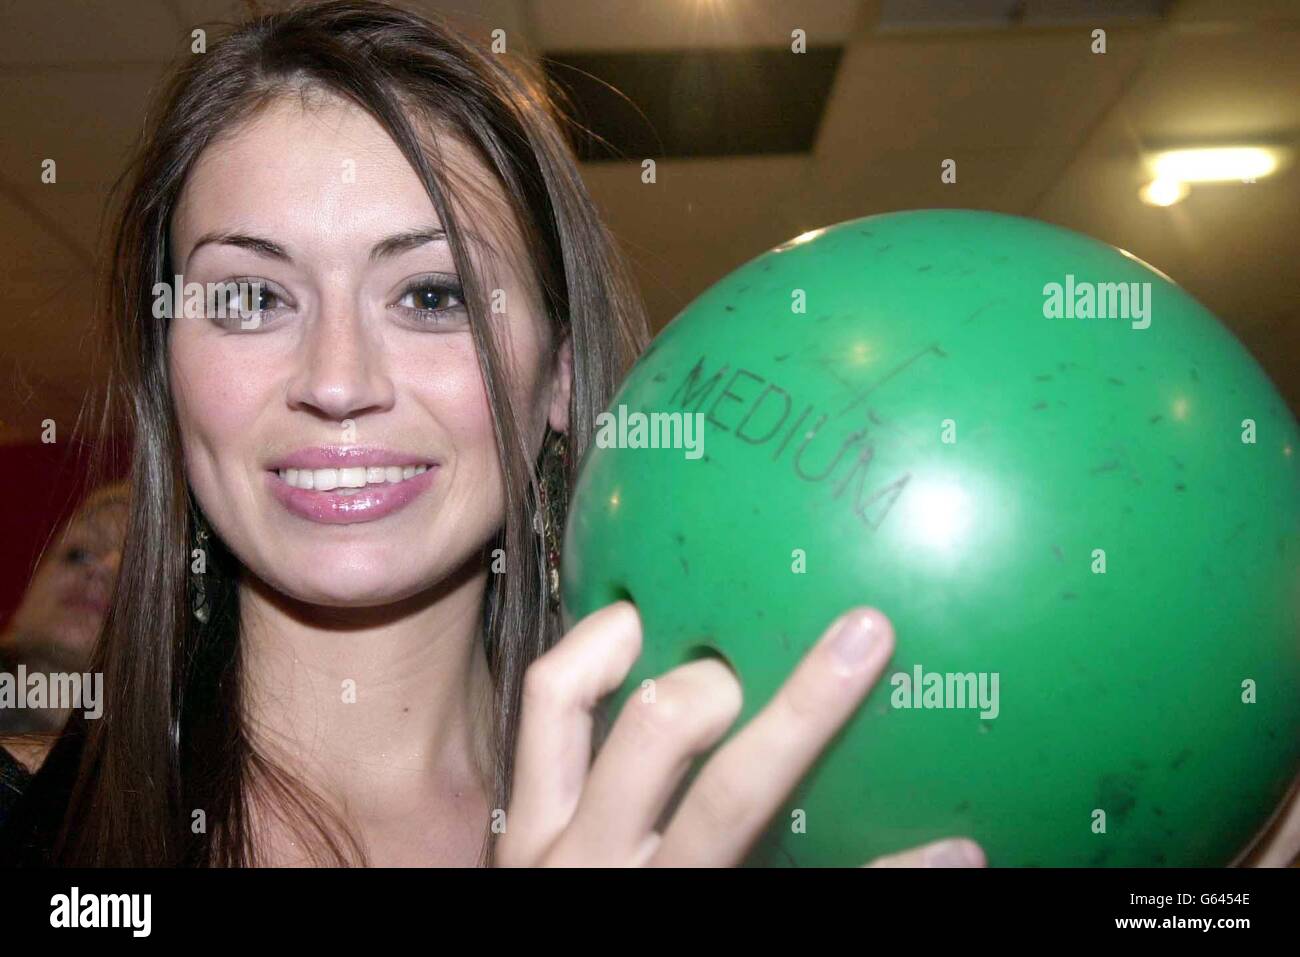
(616, 593)
(705, 653)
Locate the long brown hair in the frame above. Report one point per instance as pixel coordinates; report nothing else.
(123, 790)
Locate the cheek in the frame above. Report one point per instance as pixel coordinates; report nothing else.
(47, 585)
(453, 393)
(218, 398)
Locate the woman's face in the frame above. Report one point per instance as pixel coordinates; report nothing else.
(340, 440)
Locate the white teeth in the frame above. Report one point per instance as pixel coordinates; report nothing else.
(325, 480)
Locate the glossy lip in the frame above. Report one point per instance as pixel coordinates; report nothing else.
(366, 505)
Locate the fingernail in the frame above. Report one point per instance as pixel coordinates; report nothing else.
(954, 854)
(856, 635)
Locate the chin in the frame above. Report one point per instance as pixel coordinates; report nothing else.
(352, 589)
(358, 574)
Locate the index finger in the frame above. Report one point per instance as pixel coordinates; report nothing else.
(561, 691)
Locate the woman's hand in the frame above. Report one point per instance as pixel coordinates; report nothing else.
(569, 811)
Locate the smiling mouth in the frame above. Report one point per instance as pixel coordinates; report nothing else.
(349, 481)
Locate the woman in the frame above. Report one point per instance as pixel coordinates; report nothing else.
(335, 637)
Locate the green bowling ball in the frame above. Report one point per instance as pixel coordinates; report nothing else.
(1072, 490)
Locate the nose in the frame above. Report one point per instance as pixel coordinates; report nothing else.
(110, 562)
(341, 371)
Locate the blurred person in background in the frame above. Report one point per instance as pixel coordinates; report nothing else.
(63, 609)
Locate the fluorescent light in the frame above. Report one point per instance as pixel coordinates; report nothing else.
(1163, 192)
(1174, 169)
(1215, 164)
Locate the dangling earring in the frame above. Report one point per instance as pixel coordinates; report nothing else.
(552, 488)
(200, 601)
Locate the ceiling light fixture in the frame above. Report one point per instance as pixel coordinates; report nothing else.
(1163, 192)
(1174, 169)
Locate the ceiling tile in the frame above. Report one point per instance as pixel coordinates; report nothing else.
(996, 91)
(568, 25)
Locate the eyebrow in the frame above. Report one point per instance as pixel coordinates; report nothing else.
(254, 244)
(402, 242)
(390, 246)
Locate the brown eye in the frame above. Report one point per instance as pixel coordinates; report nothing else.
(429, 301)
(259, 300)
(247, 304)
(428, 297)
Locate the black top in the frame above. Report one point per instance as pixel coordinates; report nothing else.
(13, 778)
